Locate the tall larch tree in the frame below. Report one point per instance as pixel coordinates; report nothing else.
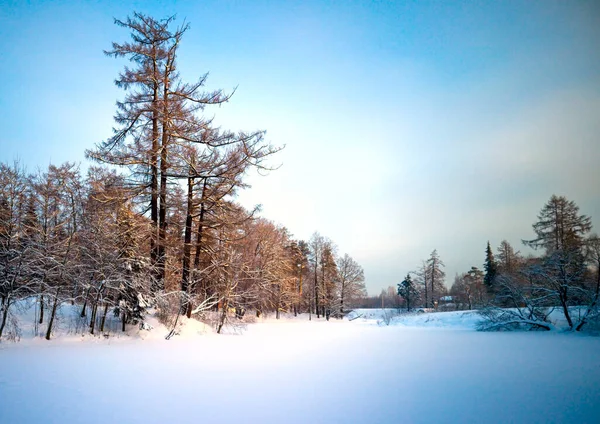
(561, 231)
(436, 275)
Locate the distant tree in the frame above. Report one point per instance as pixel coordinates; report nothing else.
(329, 279)
(490, 267)
(408, 291)
(558, 278)
(475, 279)
(316, 244)
(421, 279)
(561, 232)
(508, 259)
(351, 281)
(462, 292)
(560, 227)
(273, 266)
(298, 251)
(435, 275)
(469, 289)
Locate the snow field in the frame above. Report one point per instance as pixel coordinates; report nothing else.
(295, 371)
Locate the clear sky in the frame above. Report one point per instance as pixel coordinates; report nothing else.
(408, 125)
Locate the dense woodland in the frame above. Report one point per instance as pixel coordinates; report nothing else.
(154, 223)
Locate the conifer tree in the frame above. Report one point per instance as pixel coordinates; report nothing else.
(490, 267)
(408, 291)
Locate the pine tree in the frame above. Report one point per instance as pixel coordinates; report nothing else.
(408, 291)
(490, 267)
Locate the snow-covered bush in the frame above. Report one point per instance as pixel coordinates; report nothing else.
(498, 319)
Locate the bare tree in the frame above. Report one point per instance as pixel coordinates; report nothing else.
(316, 244)
(508, 259)
(351, 282)
(15, 244)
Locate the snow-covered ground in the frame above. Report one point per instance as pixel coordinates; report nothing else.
(427, 368)
(458, 320)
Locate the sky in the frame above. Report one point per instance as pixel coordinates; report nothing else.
(407, 126)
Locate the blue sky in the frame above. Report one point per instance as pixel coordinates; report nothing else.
(408, 126)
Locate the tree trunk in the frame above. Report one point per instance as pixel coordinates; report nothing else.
(594, 302)
(425, 278)
(123, 320)
(342, 299)
(432, 281)
(95, 310)
(222, 317)
(5, 306)
(300, 288)
(162, 211)
(154, 178)
(323, 288)
(87, 294)
(93, 318)
(199, 242)
(52, 315)
(277, 306)
(187, 245)
(41, 309)
(103, 317)
(316, 289)
(563, 302)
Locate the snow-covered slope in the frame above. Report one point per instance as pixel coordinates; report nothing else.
(70, 326)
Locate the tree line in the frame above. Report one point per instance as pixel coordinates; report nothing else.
(155, 222)
(517, 291)
(422, 288)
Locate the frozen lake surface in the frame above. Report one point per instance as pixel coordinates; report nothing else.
(295, 371)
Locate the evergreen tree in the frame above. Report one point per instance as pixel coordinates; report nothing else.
(490, 267)
(408, 291)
